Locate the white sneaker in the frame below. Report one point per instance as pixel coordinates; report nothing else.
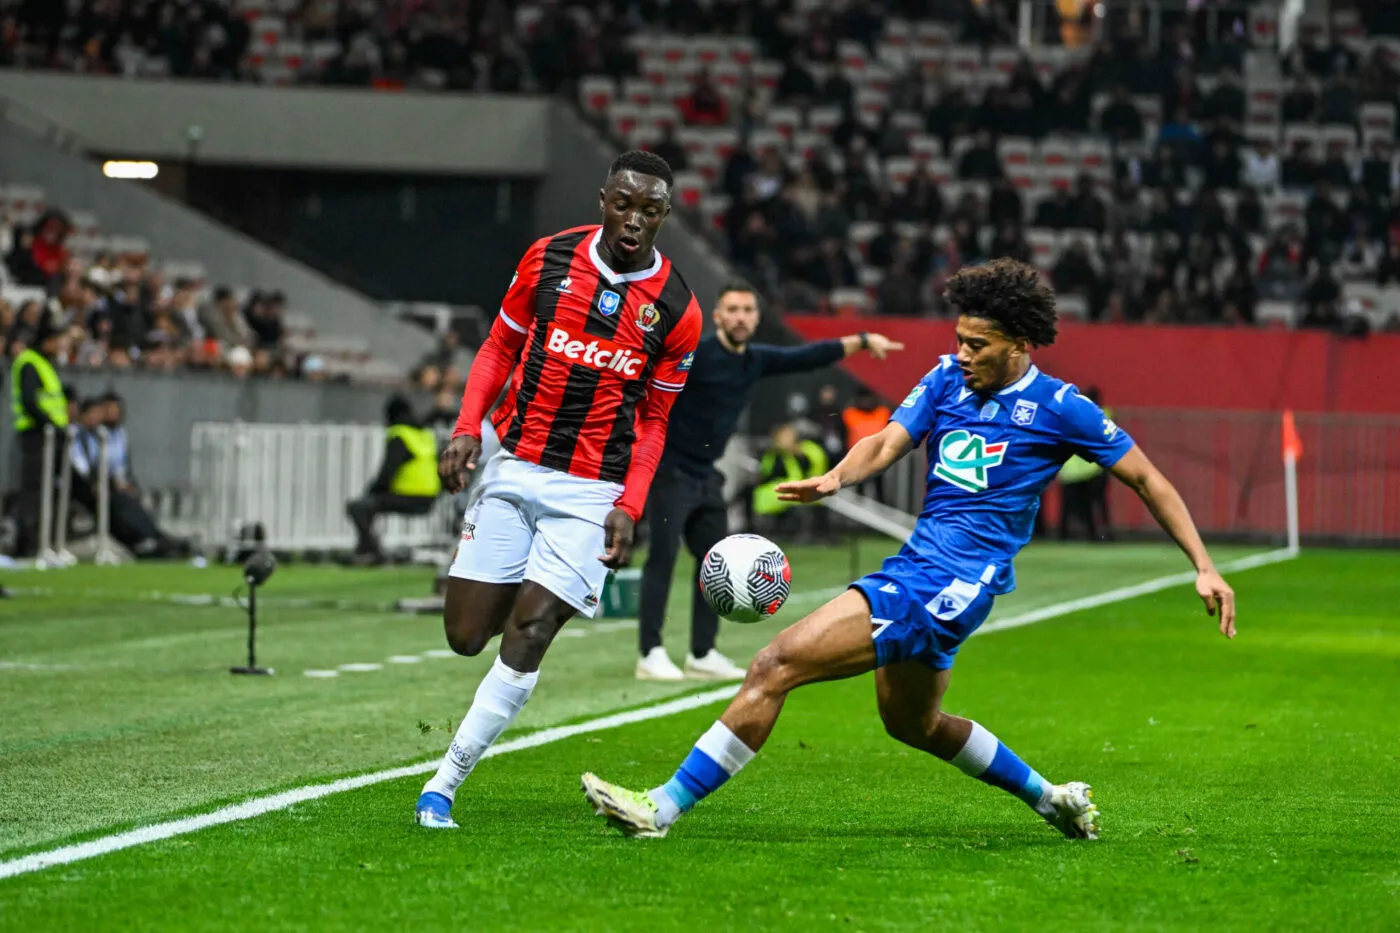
(712, 666)
(1075, 814)
(656, 665)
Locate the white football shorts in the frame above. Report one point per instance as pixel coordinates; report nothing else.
(528, 522)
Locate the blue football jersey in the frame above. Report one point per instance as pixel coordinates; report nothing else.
(990, 458)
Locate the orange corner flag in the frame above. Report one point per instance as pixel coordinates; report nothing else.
(1292, 444)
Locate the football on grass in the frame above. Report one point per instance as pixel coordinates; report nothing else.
(745, 578)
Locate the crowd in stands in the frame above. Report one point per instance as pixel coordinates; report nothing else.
(853, 158)
(122, 310)
(854, 153)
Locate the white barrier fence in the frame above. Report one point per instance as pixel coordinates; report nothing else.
(295, 480)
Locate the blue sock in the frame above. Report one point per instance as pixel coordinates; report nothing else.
(716, 758)
(985, 758)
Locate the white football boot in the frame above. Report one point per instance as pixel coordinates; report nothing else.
(1075, 814)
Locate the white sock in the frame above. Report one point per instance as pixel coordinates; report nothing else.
(501, 696)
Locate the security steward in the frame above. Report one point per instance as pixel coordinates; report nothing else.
(407, 482)
(687, 494)
(788, 460)
(37, 399)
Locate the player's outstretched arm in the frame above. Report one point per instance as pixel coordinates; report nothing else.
(869, 457)
(1167, 506)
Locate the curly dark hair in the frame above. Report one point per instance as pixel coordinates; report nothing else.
(1008, 293)
(643, 163)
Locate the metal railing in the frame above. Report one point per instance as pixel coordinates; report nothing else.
(295, 481)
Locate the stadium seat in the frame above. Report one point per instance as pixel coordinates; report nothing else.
(689, 188)
(1275, 313)
(596, 93)
(1072, 306)
(850, 301)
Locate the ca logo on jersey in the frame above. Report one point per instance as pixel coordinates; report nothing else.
(964, 459)
(913, 396)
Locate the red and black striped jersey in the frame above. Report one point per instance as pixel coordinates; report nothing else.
(592, 345)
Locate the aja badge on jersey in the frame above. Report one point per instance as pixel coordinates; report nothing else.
(964, 459)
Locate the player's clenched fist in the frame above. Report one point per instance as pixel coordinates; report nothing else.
(457, 459)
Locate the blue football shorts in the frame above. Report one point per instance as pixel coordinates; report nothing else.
(921, 614)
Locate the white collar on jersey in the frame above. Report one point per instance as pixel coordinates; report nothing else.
(1021, 384)
(615, 278)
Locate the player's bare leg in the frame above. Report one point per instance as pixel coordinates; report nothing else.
(910, 697)
(830, 644)
(535, 616)
(474, 612)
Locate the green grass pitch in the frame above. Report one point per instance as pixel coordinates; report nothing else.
(1244, 785)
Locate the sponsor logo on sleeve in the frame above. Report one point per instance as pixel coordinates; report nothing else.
(913, 396)
(686, 362)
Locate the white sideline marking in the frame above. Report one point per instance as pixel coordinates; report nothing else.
(360, 667)
(1130, 592)
(65, 855)
(404, 659)
(321, 673)
(260, 805)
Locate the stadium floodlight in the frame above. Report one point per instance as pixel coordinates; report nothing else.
(120, 168)
(256, 571)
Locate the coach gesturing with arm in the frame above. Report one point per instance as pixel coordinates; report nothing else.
(686, 495)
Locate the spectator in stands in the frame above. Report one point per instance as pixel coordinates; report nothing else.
(1249, 212)
(1075, 274)
(831, 427)
(672, 151)
(407, 482)
(1088, 211)
(1300, 168)
(118, 444)
(797, 86)
(1004, 204)
(1240, 296)
(1339, 102)
(1226, 101)
(1220, 165)
(1010, 241)
(40, 252)
(1377, 172)
(1280, 273)
(1056, 212)
(1361, 255)
(222, 321)
(1178, 133)
(1121, 121)
(1299, 105)
(1322, 300)
(899, 291)
(980, 162)
(263, 312)
(704, 105)
(1326, 223)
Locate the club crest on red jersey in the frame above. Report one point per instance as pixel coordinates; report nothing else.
(648, 317)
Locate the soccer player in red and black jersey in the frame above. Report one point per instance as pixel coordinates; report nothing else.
(596, 336)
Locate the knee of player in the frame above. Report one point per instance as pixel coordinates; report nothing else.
(769, 671)
(532, 635)
(463, 639)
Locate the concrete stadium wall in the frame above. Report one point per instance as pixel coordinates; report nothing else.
(177, 232)
(161, 409)
(463, 134)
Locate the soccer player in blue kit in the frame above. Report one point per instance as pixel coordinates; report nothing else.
(997, 430)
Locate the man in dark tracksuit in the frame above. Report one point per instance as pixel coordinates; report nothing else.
(686, 496)
(407, 483)
(36, 395)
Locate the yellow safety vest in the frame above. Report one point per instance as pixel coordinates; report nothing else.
(51, 399)
(419, 476)
(765, 497)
